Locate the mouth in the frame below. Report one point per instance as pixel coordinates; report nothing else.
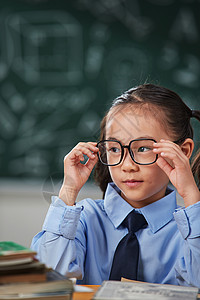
(132, 183)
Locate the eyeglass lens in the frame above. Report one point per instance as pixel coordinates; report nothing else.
(111, 152)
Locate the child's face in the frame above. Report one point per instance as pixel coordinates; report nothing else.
(140, 185)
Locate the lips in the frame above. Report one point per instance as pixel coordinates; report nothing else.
(132, 182)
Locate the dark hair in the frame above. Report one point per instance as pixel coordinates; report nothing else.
(176, 120)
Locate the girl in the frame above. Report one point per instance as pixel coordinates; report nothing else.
(146, 141)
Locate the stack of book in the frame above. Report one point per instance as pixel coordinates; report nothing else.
(22, 276)
(18, 264)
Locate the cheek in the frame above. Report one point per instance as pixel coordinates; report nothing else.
(114, 172)
(157, 175)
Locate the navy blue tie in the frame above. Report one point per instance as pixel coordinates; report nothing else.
(125, 261)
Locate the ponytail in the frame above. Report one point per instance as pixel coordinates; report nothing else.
(196, 160)
(196, 168)
(195, 114)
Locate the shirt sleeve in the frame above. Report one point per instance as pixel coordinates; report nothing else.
(62, 219)
(188, 266)
(56, 244)
(187, 220)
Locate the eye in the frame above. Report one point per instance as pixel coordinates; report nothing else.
(114, 150)
(144, 149)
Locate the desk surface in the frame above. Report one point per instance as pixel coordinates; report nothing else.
(86, 296)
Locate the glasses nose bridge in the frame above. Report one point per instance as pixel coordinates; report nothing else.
(129, 151)
(126, 147)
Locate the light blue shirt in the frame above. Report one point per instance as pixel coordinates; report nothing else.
(80, 241)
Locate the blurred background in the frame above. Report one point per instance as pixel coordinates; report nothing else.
(61, 64)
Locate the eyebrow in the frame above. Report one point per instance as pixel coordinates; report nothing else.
(140, 137)
(112, 138)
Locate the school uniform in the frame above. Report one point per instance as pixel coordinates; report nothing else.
(80, 241)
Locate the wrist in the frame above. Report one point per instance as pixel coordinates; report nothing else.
(68, 195)
(192, 198)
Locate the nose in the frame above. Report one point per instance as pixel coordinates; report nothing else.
(127, 163)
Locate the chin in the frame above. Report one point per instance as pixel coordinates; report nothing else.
(138, 200)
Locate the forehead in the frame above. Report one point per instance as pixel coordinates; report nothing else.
(127, 123)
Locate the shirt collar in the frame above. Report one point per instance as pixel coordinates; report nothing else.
(115, 206)
(157, 214)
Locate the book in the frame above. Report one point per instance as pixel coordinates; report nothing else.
(56, 286)
(33, 271)
(10, 250)
(32, 277)
(115, 290)
(18, 261)
(34, 266)
(57, 296)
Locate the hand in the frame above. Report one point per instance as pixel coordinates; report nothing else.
(175, 163)
(76, 173)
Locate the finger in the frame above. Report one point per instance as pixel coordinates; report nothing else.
(84, 151)
(89, 145)
(92, 147)
(75, 155)
(172, 154)
(91, 163)
(164, 165)
(176, 161)
(87, 149)
(166, 143)
(169, 148)
(93, 143)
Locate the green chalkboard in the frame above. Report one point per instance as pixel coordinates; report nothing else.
(62, 62)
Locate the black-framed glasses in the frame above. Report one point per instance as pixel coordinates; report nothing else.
(111, 152)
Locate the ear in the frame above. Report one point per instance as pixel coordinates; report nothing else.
(187, 147)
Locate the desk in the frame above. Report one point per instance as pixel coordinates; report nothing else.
(86, 296)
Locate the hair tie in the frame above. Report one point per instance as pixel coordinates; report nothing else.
(193, 113)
